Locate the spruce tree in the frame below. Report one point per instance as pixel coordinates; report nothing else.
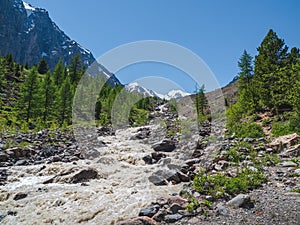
(29, 96)
(43, 66)
(272, 55)
(246, 69)
(75, 69)
(201, 103)
(58, 73)
(65, 102)
(48, 98)
(247, 97)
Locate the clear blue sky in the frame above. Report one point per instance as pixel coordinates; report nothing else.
(218, 31)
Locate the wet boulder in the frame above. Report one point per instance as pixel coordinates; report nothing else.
(164, 146)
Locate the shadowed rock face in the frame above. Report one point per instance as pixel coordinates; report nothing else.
(29, 34)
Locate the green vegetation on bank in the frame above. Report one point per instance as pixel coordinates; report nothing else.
(269, 83)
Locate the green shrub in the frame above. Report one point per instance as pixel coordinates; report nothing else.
(138, 117)
(251, 130)
(192, 205)
(218, 184)
(281, 128)
(288, 125)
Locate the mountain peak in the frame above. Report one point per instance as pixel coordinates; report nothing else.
(29, 34)
(137, 88)
(174, 94)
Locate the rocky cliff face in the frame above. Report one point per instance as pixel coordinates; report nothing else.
(29, 34)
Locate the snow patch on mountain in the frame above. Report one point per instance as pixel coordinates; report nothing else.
(173, 94)
(29, 9)
(137, 88)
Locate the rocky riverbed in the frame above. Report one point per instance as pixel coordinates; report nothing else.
(146, 175)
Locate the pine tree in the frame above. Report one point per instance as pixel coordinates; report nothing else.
(43, 66)
(9, 64)
(246, 70)
(48, 98)
(29, 96)
(75, 69)
(247, 95)
(58, 73)
(272, 55)
(294, 93)
(65, 102)
(201, 104)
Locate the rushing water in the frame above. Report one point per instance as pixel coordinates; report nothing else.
(120, 192)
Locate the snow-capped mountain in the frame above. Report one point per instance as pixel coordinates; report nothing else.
(29, 34)
(137, 88)
(173, 94)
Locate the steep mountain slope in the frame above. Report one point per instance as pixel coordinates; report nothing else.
(29, 34)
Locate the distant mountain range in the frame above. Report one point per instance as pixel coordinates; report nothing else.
(137, 88)
(29, 34)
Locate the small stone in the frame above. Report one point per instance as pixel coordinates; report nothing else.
(177, 199)
(288, 164)
(173, 218)
(12, 213)
(175, 207)
(4, 195)
(19, 196)
(239, 201)
(21, 162)
(84, 176)
(161, 201)
(194, 221)
(297, 171)
(160, 215)
(221, 209)
(209, 198)
(164, 146)
(191, 162)
(144, 220)
(157, 156)
(3, 157)
(157, 180)
(149, 210)
(248, 140)
(183, 177)
(148, 159)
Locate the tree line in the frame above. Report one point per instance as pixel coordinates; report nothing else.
(37, 98)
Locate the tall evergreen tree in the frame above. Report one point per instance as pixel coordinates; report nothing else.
(75, 69)
(65, 102)
(43, 66)
(272, 55)
(48, 98)
(245, 64)
(247, 98)
(201, 102)
(9, 64)
(29, 96)
(58, 73)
